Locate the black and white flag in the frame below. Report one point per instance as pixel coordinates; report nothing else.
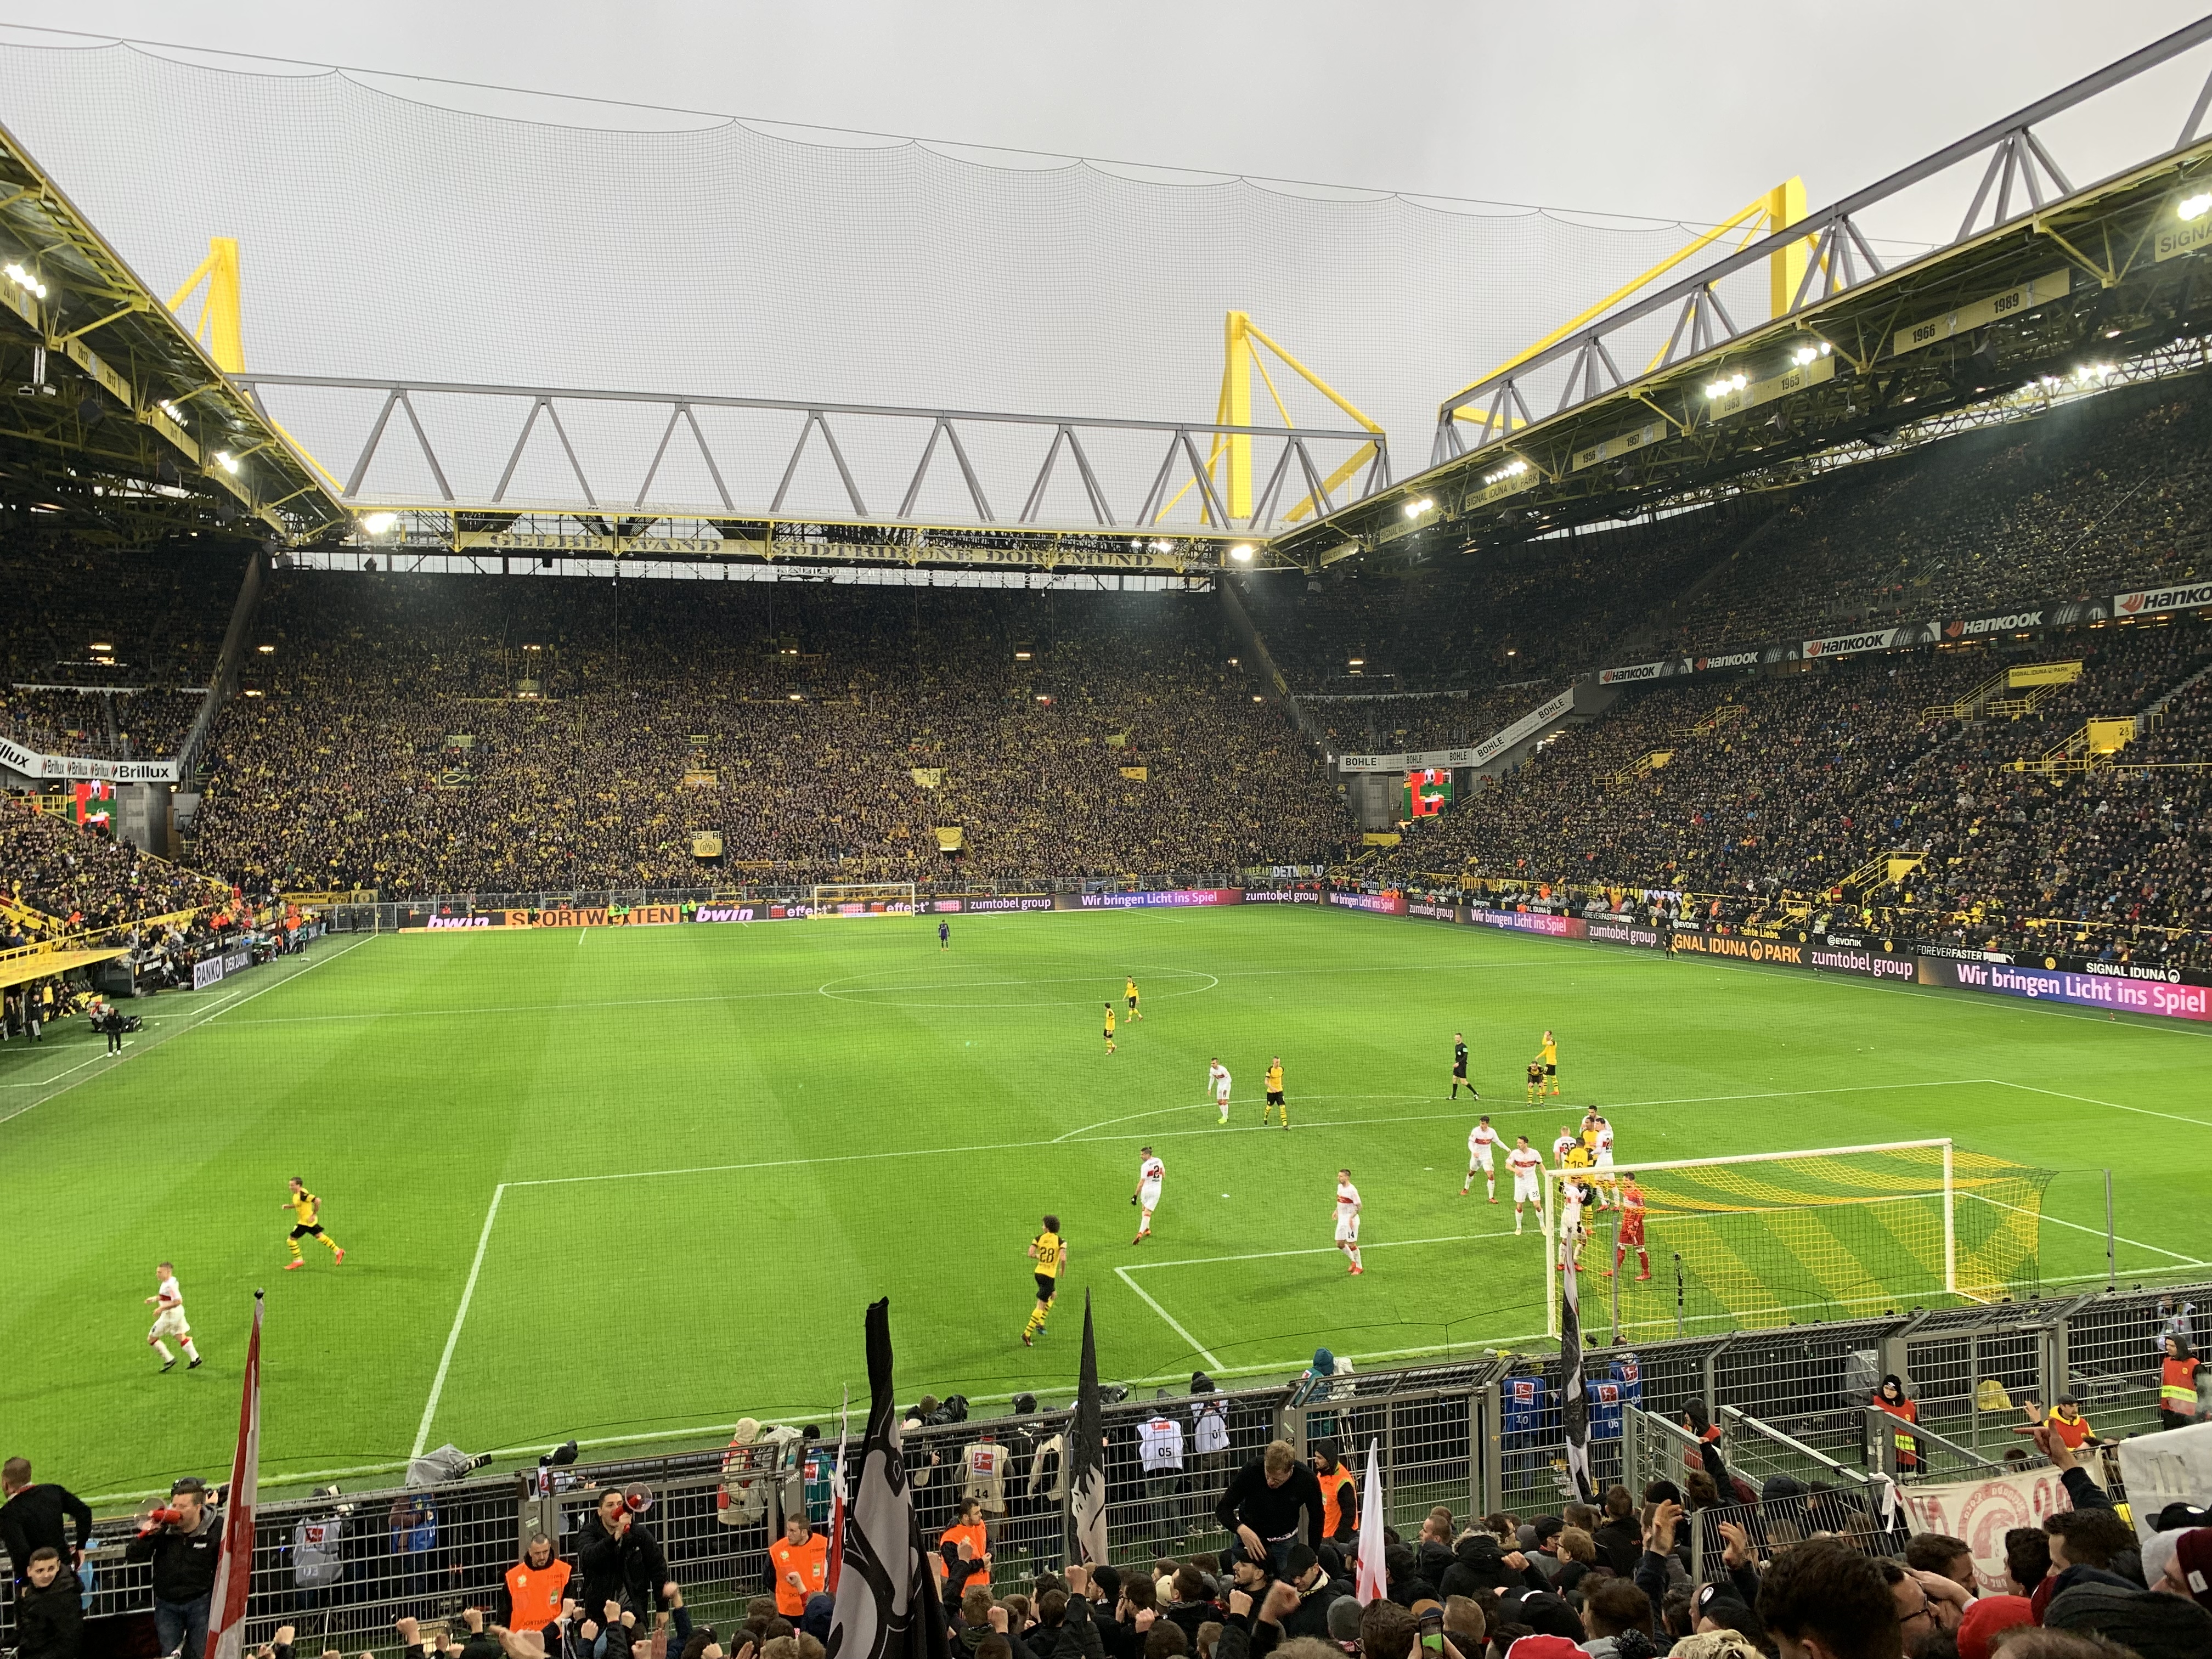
(1086, 1461)
(1574, 1390)
(887, 1606)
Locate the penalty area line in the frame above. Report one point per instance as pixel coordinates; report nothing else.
(1174, 1324)
(460, 1317)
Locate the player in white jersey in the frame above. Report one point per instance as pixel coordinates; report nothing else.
(1216, 1074)
(1565, 1138)
(1482, 1141)
(169, 1303)
(1571, 1231)
(1526, 1164)
(1602, 1153)
(1150, 1173)
(1347, 1219)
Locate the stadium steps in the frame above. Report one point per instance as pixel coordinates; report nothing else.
(2150, 716)
(1883, 870)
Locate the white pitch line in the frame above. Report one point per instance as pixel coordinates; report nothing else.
(1197, 1347)
(460, 1314)
(128, 1055)
(1210, 1132)
(2111, 1105)
(1270, 1256)
(2098, 1232)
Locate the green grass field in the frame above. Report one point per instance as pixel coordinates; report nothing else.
(630, 1186)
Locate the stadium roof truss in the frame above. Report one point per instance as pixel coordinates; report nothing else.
(121, 424)
(559, 469)
(2047, 291)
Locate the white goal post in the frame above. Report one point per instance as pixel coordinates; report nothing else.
(1884, 1172)
(832, 900)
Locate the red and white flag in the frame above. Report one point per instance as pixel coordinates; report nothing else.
(1373, 1582)
(837, 1498)
(233, 1573)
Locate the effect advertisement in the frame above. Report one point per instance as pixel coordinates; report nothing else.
(1174, 898)
(2133, 996)
(1530, 921)
(1376, 904)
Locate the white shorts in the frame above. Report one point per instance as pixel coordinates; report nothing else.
(170, 1322)
(1524, 1190)
(1605, 1160)
(1479, 1160)
(1347, 1229)
(1221, 1093)
(1148, 1195)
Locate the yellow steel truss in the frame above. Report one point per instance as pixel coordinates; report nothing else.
(1777, 209)
(1239, 361)
(217, 324)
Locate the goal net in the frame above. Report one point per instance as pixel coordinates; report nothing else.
(1778, 1238)
(831, 900)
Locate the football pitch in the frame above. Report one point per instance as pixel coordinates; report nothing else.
(630, 1185)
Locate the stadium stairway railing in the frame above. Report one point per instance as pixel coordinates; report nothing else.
(1477, 1433)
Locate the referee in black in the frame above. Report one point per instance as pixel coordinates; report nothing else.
(1459, 1067)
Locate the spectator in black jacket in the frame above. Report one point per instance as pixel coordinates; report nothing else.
(184, 1545)
(1305, 1573)
(32, 1517)
(1064, 1628)
(1618, 1539)
(1480, 1564)
(620, 1558)
(1267, 1504)
(1192, 1606)
(1433, 1551)
(48, 1609)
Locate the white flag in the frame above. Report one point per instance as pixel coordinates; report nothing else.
(1374, 1580)
(233, 1572)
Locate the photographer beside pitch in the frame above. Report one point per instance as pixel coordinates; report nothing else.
(184, 1542)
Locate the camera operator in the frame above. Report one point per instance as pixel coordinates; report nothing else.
(184, 1542)
(620, 1558)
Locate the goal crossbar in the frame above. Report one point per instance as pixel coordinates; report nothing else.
(1555, 1177)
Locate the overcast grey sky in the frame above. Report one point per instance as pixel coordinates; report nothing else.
(1681, 111)
(397, 226)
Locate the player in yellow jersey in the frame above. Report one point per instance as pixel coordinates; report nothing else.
(1129, 990)
(1109, 1028)
(307, 1223)
(1549, 1054)
(1275, 1101)
(1049, 1251)
(1535, 1081)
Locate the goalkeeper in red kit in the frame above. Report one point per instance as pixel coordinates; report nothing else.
(1632, 1227)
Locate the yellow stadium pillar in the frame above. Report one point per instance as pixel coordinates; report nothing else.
(1236, 410)
(218, 323)
(1786, 206)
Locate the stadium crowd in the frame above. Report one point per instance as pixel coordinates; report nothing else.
(1771, 791)
(61, 878)
(1700, 1567)
(97, 645)
(827, 733)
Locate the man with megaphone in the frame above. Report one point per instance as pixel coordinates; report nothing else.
(184, 1541)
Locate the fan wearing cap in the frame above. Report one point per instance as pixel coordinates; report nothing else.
(2065, 1419)
(2180, 1564)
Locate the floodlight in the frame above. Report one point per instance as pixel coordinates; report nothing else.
(1242, 553)
(2190, 207)
(227, 461)
(377, 523)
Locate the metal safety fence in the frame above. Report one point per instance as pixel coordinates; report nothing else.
(1473, 1435)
